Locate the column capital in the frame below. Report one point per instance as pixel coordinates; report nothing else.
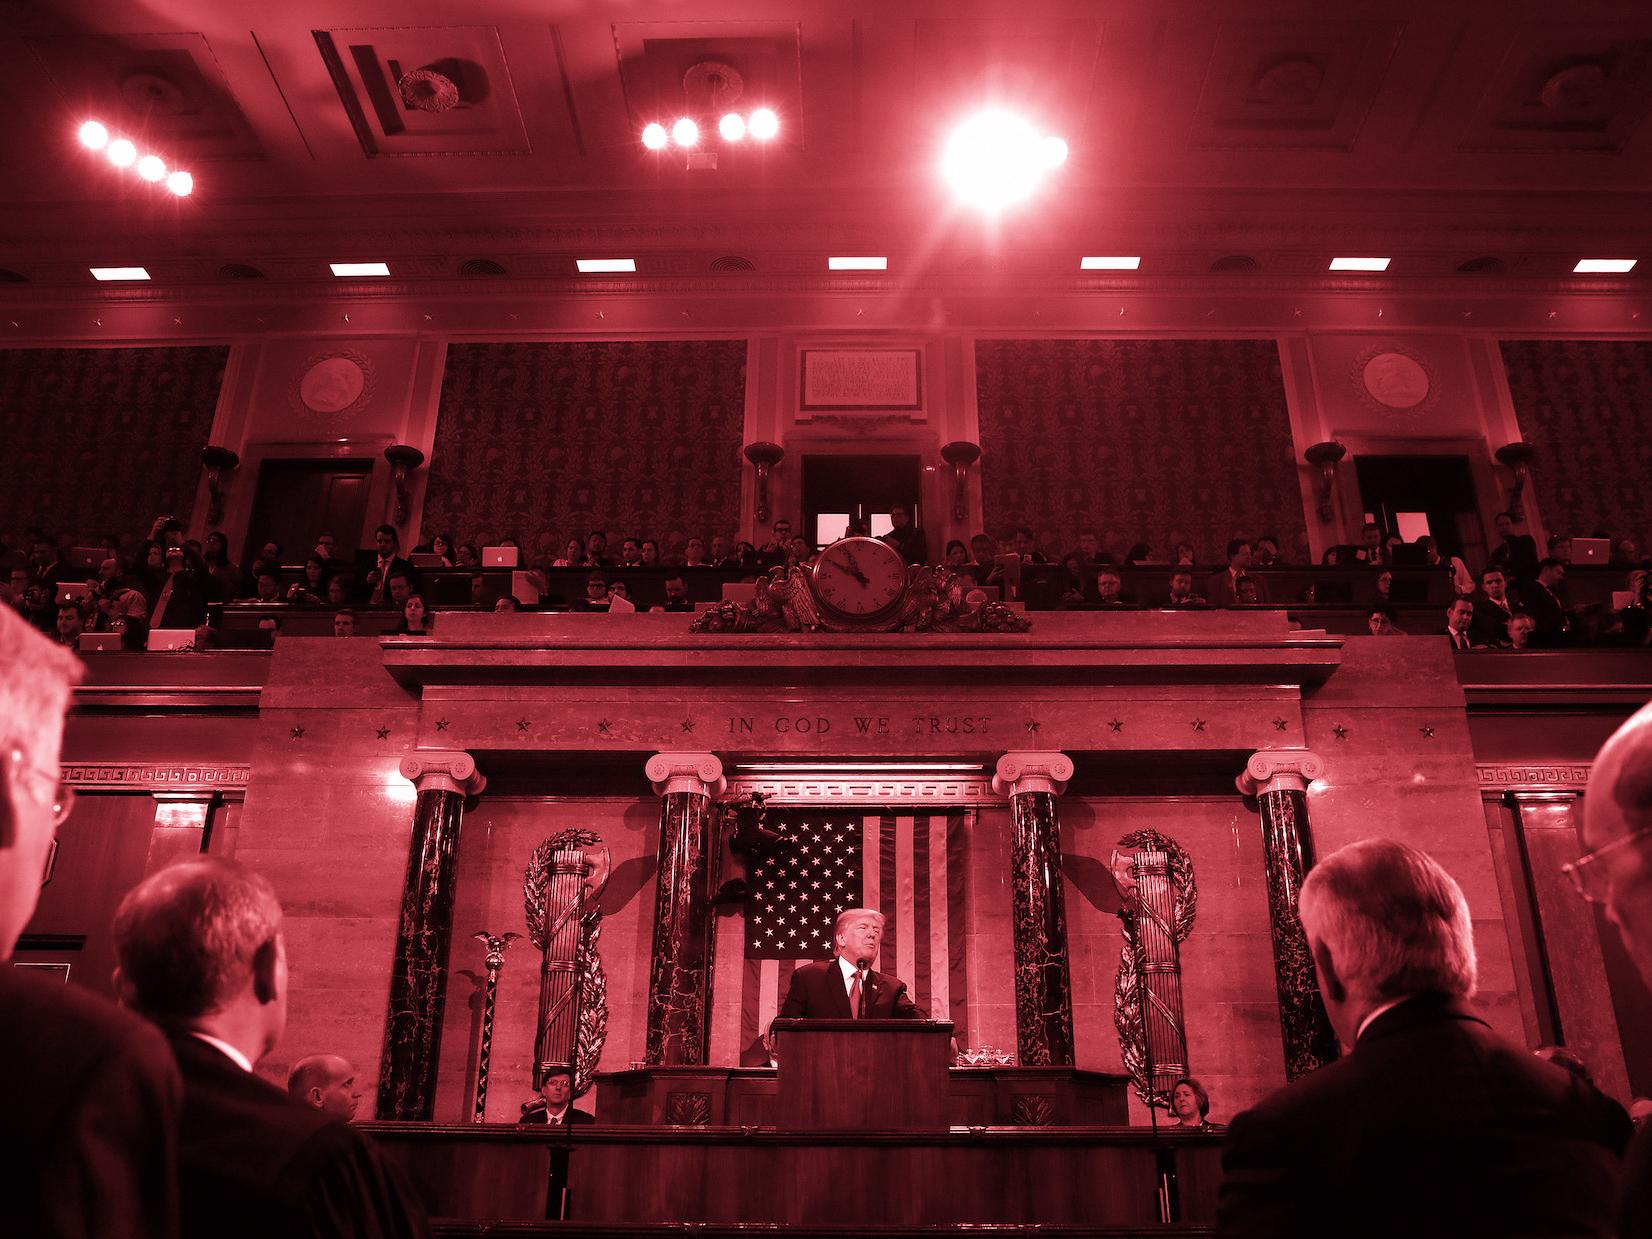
(701, 773)
(1280, 770)
(443, 770)
(1022, 770)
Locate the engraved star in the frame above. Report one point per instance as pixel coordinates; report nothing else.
(1340, 732)
(1117, 724)
(1279, 724)
(688, 724)
(384, 733)
(1428, 732)
(1198, 724)
(298, 733)
(442, 724)
(1033, 725)
(602, 726)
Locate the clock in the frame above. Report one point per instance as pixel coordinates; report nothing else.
(859, 578)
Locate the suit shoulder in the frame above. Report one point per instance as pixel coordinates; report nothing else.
(49, 1022)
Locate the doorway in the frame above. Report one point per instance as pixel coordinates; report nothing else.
(299, 500)
(1414, 495)
(842, 490)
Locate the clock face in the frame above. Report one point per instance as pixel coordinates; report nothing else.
(859, 577)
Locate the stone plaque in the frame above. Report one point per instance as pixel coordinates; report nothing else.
(1395, 380)
(855, 379)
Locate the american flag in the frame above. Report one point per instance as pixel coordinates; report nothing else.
(909, 867)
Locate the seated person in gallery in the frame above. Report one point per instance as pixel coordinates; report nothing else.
(1181, 590)
(845, 987)
(676, 594)
(1190, 1106)
(554, 1107)
(1110, 593)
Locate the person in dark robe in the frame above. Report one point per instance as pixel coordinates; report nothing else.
(200, 951)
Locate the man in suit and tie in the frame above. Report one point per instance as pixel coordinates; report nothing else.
(1223, 588)
(1430, 1124)
(380, 567)
(555, 1104)
(1542, 602)
(200, 951)
(1493, 608)
(1459, 615)
(91, 1091)
(845, 987)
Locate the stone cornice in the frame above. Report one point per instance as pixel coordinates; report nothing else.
(920, 792)
(204, 777)
(1499, 777)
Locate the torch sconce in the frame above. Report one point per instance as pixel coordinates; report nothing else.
(403, 460)
(960, 454)
(1325, 457)
(1517, 458)
(764, 457)
(217, 461)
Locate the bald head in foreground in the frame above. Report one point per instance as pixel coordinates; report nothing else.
(91, 1091)
(201, 952)
(1430, 1124)
(1616, 871)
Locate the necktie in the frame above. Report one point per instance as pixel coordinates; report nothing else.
(854, 996)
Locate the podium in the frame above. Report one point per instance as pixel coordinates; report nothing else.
(863, 1075)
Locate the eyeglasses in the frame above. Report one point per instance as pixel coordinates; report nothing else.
(1589, 877)
(63, 796)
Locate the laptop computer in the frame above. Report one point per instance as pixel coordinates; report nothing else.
(175, 640)
(500, 556)
(1592, 551)
(96, 642)
(425, 559)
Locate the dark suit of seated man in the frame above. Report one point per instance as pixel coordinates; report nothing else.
(1430, 1124)
(200, 951)
(555, 1106)
(838, 989)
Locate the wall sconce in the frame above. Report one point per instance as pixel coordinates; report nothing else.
(764, 457)
(1517, 458)
(403, 460)
(960, 454)
(1325, 457)
(217, 461)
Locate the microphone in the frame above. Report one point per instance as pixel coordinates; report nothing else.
(862, 966)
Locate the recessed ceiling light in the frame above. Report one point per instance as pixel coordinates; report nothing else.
(763, 124)
(1604, 266)
(343, 269)
(1359, 264)
(119, 273)
(605, 266)
(857, 264)
(94, 136)
(1113, 262)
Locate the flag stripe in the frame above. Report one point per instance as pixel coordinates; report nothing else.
(888, 881)
(872, 890)
(768, 995)
(750, 990)
(923, 983)
(906, 964)
(960, 829)
(937, 868)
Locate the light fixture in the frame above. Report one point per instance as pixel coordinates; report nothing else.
(995, 159)
(119, 273)
(654, 136)
(858, 767)
(605, 266)
(1604, 266)
(347, 270)
(732, 127)
(1108, 262)
(763, 124)
(1359, 264)
(94, 136)
(122, 153)
(152, 167)
(864, 263)
(181, 183)
(685, 132)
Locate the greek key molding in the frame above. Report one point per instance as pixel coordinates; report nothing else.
(1502, 777)
(882, 793)
(157, 776)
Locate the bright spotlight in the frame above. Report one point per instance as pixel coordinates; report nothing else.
(654, 136)
(763, 125)
(732, 127)
(685, 133)
(996, 159)
(122, 153)
(93, 136)
(181, 183)
(151, 167)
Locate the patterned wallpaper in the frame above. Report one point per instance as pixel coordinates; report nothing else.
(1150, 441)
(1586, 406)
(99, 441)
(542, 441)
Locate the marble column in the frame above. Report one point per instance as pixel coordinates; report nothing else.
(418, 978)
(1279, 779)
(679, 974)
(1043, 983)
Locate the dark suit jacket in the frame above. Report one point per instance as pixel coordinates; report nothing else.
(1433, 1125)
(367, 562)
(1542, 605)
(1490, 625)
(253, 1162)
(91, 1102)
(818, 993)
(1637, 1186)
(1516, 556)
(1220, 588)
(572, 1118)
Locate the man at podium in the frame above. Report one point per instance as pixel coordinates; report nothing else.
(845, 987)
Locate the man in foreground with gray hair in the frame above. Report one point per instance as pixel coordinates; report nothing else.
(1431, 1124)
(91, 1092)
(200, 952)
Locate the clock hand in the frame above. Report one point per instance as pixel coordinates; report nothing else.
(855, 569)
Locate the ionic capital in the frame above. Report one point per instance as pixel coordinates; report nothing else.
(701, 773)
(443, 770)
(1280, 770)
(1024, 771)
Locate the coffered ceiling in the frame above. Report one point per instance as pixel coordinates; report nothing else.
(428, 133)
